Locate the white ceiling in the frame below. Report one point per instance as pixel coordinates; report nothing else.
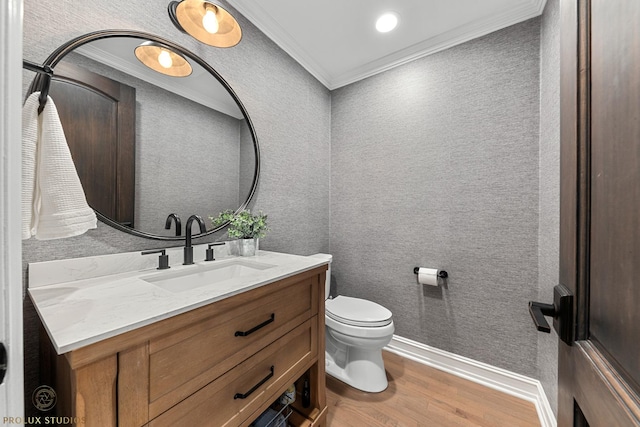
(336, 40)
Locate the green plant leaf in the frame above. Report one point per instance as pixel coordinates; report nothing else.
(242, 225)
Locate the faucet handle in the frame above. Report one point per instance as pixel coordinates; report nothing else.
(163, 259)
(209, 251)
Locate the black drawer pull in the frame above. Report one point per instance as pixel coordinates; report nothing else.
(255, 387)
(255, 328)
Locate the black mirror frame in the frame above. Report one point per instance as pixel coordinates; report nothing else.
(57, 55)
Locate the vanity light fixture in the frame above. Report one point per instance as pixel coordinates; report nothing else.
(162, 59)
(206, 22)
(387, 22)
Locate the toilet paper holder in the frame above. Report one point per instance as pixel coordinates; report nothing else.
(441, 273)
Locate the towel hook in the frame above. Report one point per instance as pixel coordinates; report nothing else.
(44, 93)
(46, 72)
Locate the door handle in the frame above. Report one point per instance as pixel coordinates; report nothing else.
(561, 310)
(538, 310)
(3, 362)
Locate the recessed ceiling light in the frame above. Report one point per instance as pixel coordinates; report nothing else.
(387, 22)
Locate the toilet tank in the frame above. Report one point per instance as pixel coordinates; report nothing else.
(327, 283)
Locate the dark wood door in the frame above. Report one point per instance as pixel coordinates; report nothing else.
(599, 373)
(98, 118)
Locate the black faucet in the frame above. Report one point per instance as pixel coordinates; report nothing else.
(176, 219)
(188, 249)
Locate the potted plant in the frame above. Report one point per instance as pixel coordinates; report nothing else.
(244, 226)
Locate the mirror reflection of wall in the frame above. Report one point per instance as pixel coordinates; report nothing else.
(189, 158)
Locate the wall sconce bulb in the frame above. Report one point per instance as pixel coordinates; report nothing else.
(210, 20)
(164, 58)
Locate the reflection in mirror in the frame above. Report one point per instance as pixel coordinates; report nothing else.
(162, 59)
(183, 145)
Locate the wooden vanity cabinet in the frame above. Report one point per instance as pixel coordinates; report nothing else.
(219, 365)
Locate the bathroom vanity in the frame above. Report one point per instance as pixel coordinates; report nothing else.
(213, 344)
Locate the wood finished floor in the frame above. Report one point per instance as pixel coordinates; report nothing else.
(419, 395)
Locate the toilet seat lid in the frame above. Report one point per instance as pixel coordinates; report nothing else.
(357, 312)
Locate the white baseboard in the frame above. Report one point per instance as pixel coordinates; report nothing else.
(490, 376)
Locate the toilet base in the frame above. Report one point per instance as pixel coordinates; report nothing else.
(362, 369)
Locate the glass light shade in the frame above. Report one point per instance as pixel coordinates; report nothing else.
(163, 60)
(195, 18)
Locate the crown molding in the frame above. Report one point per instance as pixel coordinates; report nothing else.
(441, 42)
(260, 17)
(272, 29)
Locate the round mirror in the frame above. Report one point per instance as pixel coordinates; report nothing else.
(151, 145)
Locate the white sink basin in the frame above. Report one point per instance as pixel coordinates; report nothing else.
(204, 275)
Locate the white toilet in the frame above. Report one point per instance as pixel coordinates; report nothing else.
(356, 331)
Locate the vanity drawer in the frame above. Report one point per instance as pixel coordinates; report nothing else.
(188, 359)
(239, 393)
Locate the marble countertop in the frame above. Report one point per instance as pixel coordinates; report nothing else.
(86, 300)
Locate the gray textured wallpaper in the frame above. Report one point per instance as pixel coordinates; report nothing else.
(290, 110)
(435, 164)
(443, 162)
(549, 240)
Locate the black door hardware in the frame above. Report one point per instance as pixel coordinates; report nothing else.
(561, 310)
(3, 362)
(255, 328)
(255, 387)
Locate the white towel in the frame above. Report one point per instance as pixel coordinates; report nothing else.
(54, 205)
(29, 149)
